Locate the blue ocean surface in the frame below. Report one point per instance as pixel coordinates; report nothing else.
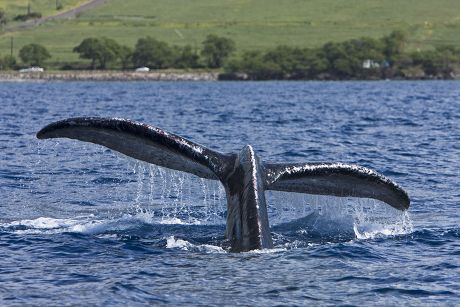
(83, 225)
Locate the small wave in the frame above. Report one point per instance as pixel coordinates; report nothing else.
(91, 225)
(41, 223)
(172, 242)
(82, 224)
(52, 225)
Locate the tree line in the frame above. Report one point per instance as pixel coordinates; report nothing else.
(155, 54)
(106, 53)
(363, 58)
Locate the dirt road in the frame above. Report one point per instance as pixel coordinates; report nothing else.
(64, 15)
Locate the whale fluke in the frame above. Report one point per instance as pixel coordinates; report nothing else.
(143, 142)
(244, 177)
(337, 179)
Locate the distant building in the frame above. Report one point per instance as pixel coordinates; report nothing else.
(142, 69)
(368, 64)
(32, 69)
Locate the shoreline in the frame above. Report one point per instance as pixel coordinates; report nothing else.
(108, 75)
(113, 75)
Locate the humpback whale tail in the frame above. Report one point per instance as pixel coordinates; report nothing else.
(244, 177)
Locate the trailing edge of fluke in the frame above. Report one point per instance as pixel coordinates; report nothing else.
(244, 176)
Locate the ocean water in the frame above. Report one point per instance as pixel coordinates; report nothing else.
(82, 225)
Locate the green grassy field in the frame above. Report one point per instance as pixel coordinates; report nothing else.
(253, 24)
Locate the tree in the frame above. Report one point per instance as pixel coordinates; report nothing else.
(187, 58)
(394, 45)
(153, 53)
(34, 54)
(102, 50)
(125, 55)
(312, 64)
(254, 64)
(29, 15)
(439, 62)
(216, 50)
(345, 59)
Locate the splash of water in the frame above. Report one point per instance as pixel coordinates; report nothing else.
(174, 197)
(171, 195)
(333, 216)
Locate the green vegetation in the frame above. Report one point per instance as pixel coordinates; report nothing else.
(252, 24)
(34, 55)
(153, 53)
(263, 39)
(102, 50)
(216, 50)
(25, 17)
(443, 61)
(363, 58)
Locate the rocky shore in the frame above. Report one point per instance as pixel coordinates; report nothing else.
(108, 76)
(91, 75)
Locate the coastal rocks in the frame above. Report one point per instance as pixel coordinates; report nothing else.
(108, 76)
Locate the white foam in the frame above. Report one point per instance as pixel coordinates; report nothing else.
(82, 224)
(43, 223)
(178, 221)
(267, 251)
(172, 242)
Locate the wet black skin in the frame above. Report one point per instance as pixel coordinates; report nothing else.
(247, 218)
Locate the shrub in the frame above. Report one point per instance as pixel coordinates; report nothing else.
(216, 50)
(153, 53)
(187, 58)
(34, 54)
(101, 50)
(394, 45)
(25, 17)
(125, 55)
(439, 62)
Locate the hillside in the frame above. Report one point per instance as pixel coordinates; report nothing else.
(253, 24)
(45, 7)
